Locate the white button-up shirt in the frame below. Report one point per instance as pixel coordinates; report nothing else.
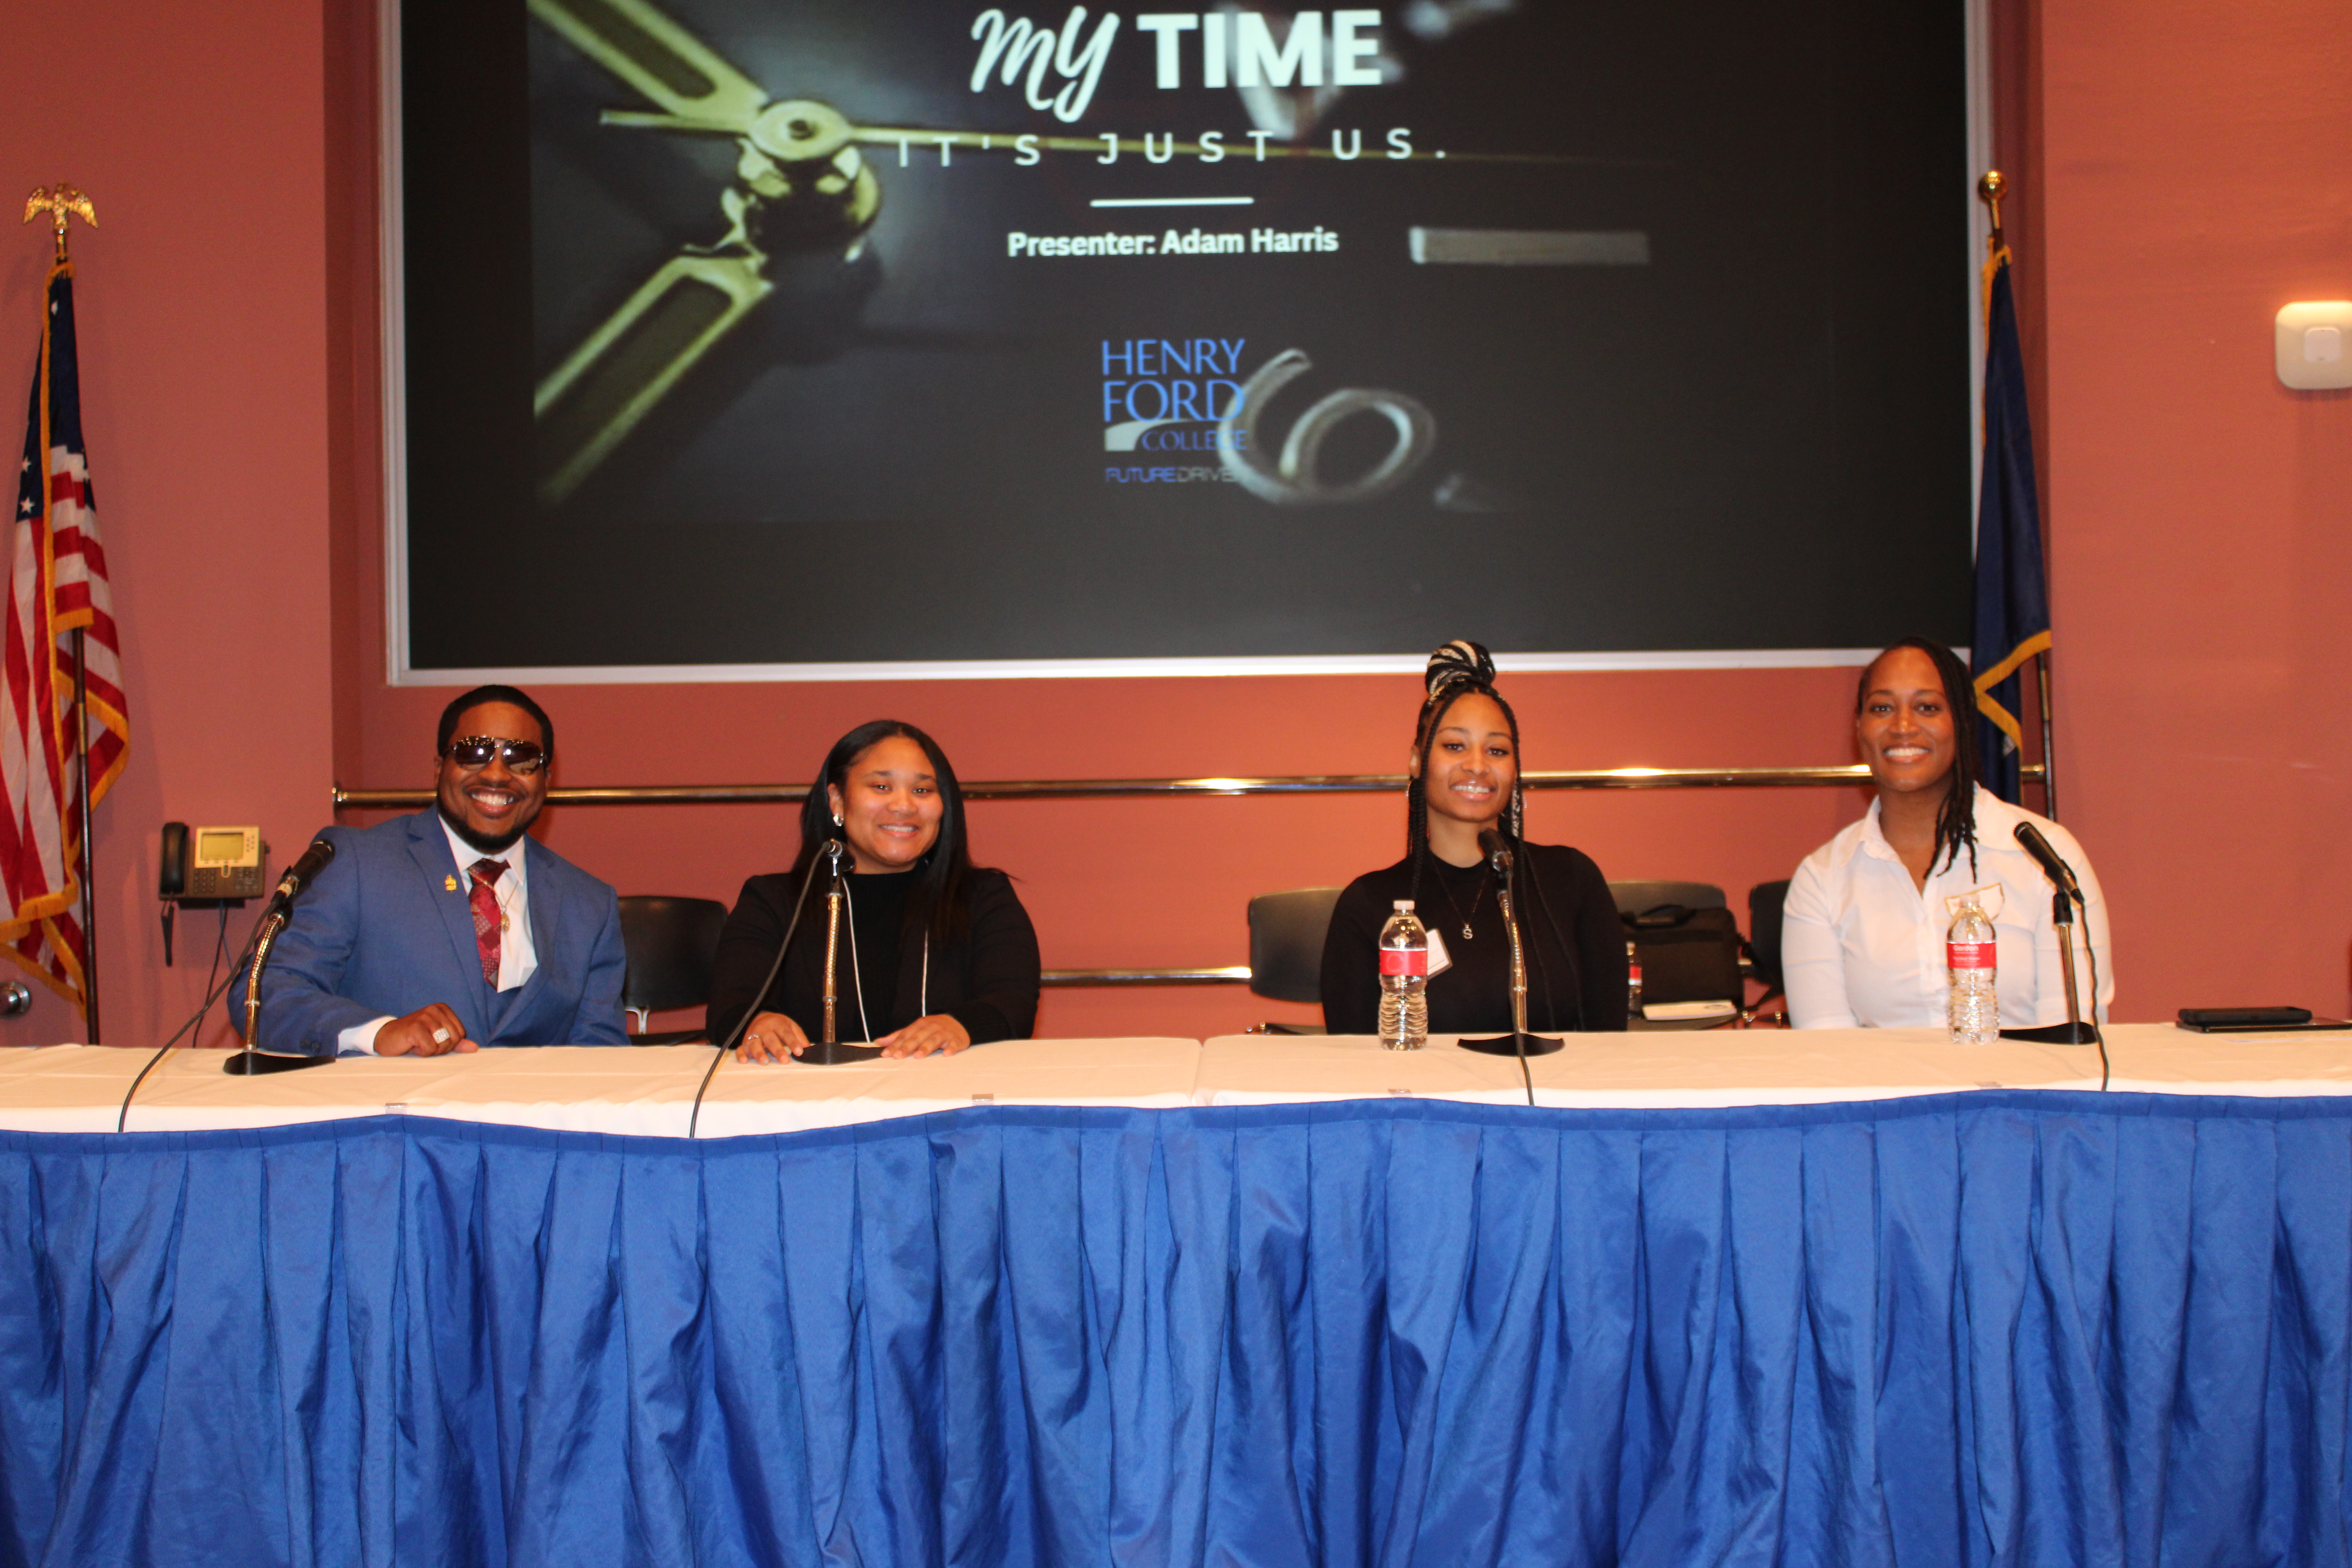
(1862, 945)
(517, 959)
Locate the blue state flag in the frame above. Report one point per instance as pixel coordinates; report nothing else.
(2012, 617)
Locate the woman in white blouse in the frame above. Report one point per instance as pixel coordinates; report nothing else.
(1867, 912)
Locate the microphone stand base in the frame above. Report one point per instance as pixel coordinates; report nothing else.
(2076, 1033)
(247, 1064)
(1507, 1044)
(820, 1055)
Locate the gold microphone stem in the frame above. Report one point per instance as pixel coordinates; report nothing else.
(1518, 960)
(2065, 924)
(832, 950)
(269, 930)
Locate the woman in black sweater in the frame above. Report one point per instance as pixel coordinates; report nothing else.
(936, 954)
(1465, 779)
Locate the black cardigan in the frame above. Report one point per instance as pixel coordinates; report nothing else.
(986, 980)
(1575, 946)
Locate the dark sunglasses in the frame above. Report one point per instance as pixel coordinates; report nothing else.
(476, 752)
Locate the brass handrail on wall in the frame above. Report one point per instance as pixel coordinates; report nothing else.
(1231, 974)
(1116, 789)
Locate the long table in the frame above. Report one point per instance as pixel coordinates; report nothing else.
(1263, 1299)
(649, 1091)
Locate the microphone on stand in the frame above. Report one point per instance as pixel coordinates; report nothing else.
(304, 871)
(1496, 849)
(276, 913)
(2053, 868)
(2067, 892)
(1519, 1042)
(829, 1051)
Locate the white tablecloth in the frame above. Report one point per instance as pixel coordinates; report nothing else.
(1765, 1066)
(646, 1089)
(650, 1090)
(2160, 1058)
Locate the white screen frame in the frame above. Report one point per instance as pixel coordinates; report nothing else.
(400, 671)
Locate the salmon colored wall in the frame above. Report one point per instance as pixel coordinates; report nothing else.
(2200, 514)
(201, 308)
(2190, 179)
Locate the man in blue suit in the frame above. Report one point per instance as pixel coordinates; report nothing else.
(452, 928)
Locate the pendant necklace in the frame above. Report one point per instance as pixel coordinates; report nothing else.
(1475, 898)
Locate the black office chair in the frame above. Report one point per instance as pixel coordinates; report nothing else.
(1287, 932)
(1764, 904)
(671, 944)
(1634, 898)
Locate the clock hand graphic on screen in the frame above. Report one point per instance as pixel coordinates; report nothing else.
(802, 187)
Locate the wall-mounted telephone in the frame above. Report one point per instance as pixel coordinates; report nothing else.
(208, 865)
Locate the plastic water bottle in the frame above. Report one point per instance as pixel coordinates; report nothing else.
(1970, 950)
(1404, 980)
(1633, 981)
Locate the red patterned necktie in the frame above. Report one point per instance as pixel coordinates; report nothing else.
(485, 873)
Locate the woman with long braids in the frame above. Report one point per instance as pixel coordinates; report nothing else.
(1863, 939)
(936, 954)
(1465, 779)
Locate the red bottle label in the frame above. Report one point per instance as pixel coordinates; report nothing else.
(1972, 954)
(1404, 961)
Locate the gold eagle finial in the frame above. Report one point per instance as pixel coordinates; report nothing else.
(59, 202)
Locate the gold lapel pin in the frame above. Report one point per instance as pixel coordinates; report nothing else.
(449, 884)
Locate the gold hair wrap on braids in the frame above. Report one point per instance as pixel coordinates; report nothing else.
(1459, 662)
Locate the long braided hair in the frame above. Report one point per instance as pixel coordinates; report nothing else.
(1461, 668)
(1956, 819)
(1465, 668)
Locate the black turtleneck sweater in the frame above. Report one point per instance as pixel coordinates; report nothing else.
(985, 979)
(1575, 946)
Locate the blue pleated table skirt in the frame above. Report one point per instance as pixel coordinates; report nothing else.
(1999, 1328)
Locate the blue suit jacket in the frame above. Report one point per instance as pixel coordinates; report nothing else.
(387, 928)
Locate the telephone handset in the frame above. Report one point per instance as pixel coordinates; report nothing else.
(209, 865)
(172, 881)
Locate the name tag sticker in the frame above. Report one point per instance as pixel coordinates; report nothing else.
(1440, 960)
(1991, 899)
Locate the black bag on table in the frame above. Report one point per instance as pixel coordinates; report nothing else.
(1686, 954)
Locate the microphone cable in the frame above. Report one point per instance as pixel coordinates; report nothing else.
(758, 996)
(212, 995)
(1517, 932)
(2091, 952)
(220, 948)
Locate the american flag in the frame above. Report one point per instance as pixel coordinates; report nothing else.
(57, 585)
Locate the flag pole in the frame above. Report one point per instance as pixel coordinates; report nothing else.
(2049, 740)
(57, 204)
(89, 895)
